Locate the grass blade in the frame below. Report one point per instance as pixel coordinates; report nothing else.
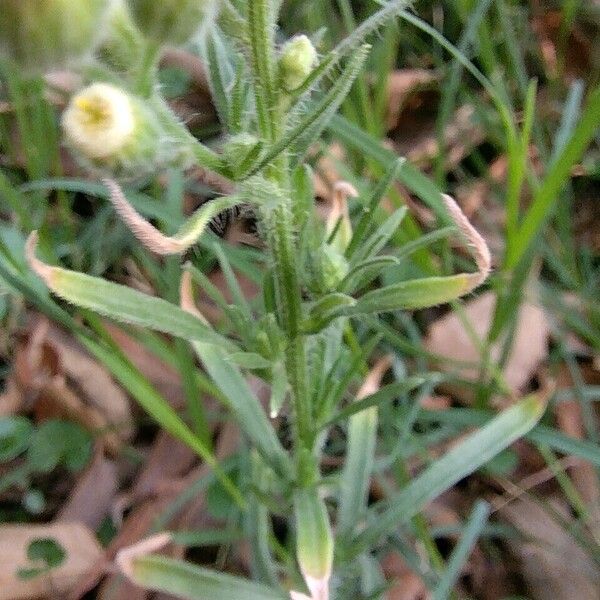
(460, 554)
(472, 453)
(185, 580)
(160, 410)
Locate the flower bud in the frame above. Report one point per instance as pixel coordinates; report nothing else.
(169, 21)
(334, 267)
(298, 59)
(110, 129)
(47, 34)
(314, 541)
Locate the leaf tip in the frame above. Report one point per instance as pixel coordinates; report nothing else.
(186, 296)
(126, 556)
(479, 247)
(41, 269)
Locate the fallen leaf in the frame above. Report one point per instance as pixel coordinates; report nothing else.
(82, 551)
(92, 498)
(168, 460)
(569, 417)
(58, 379)
(94, 380)
(448, 338)
(554, 565)
(402, 83)
(405, 583)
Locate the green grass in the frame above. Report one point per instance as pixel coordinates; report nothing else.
(484, 60)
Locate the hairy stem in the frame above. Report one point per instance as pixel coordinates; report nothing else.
(279, 221)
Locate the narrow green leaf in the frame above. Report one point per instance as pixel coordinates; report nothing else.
(413, 294)
(555, 179)
(366, 271)
(358, 464)
(469, 455)
(237, 294)
(159, 409)
(377, 241)
(354, 137)
(317, 118)
(366, 219)
(385, 394)
(423, 241)
(220, 73)
(325, 310)
(249, 360)
(185, 580)
(475, 525)
(279, 388)
(465, 417)
(120, 302)
(314, 538)
(245, 406)
(350, 43)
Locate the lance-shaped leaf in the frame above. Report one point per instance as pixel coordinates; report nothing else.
(326, 309)
(183, 579)
(377, 240)
(157, 241)
(241, 400)
(366, 220)
(120, 302)
(473, 452)
(331, 62)
(220, 72)
(312, 124)
(245, 406)
(365, 272)
(421, 293)
(362, 434)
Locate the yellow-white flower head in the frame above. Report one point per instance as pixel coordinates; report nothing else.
(298, 58)
(99, 121)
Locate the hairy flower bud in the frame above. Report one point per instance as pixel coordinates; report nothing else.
(47, 34)
(111, 129)
(169, 21)
(298, 59)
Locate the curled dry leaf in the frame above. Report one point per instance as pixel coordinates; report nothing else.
(448, 338)
(79, 543)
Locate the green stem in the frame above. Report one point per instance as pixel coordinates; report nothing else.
(279, 221)
(288, 298)
(262, 51)
(147, 74)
